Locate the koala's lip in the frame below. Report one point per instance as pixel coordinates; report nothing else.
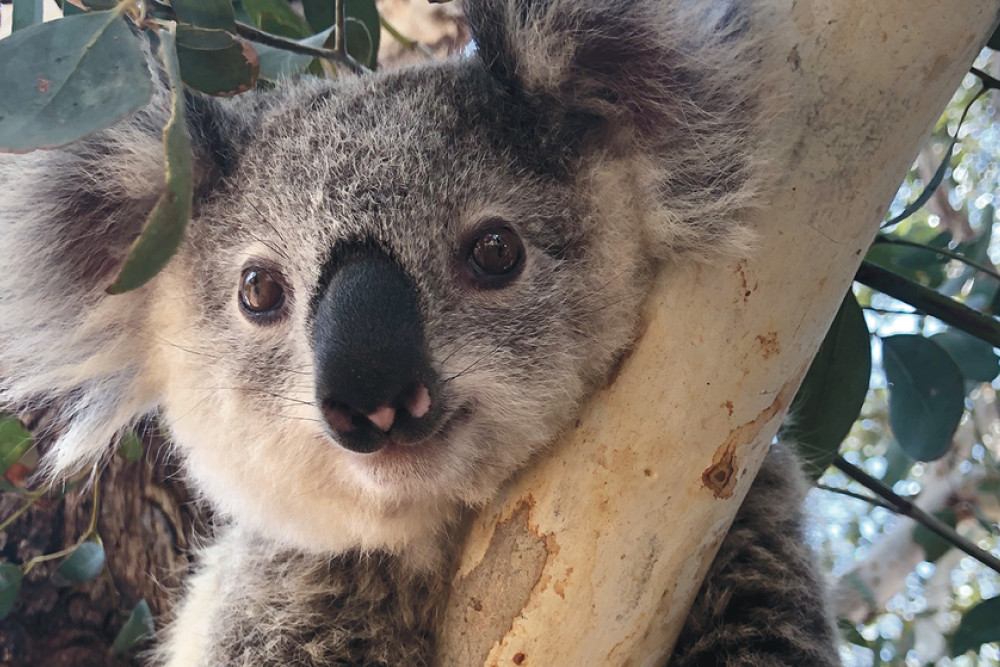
(393, 449)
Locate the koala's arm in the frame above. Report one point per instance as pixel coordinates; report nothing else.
(763, 600)
(257, 603)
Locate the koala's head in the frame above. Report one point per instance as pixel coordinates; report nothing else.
(395, 289)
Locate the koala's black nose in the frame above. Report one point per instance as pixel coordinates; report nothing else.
(373, 375)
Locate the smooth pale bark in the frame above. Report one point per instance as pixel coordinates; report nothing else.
(593, 555)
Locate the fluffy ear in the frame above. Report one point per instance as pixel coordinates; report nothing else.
(67, 219)
(672, 83)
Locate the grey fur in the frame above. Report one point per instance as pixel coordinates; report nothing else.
(610, 135)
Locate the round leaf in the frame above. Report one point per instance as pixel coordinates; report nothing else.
(65, 79)
(15, 440)
(833, 391)
(10, 585)
(84, 564)
(138, 626)
(975, 358)
(130, 447)
(926, 395)
(980, 624)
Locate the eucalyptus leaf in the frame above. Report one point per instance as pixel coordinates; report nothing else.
(64, 79)
(139, 626)
(26, 12)
(10, 585)
(163, 231)
(215, 63)
(276, 17)
(278, 63)
(926, 395)
(833, 391)
(84, 564)
(130, 446)
(15, 440)
(979, 625)
(212, 14)
(975, 358)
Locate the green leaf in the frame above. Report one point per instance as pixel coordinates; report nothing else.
(278, 63)
(10, 585)
(64, 79)
(975, 358)
(26, 12)
(833, 391)
(363, 31)
(99, 5)
(139, 626)
(214, 62)
(15, 440)
(979, 625)
(926, 395)
(934, 547)
(920, 264)
(277, 18)
(163, 231)
(321, 14)
(211, 14)
(84, 564)
(994, 41)
(130, 447)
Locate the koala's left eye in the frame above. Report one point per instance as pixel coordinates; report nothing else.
(496, 254)
(261, 292)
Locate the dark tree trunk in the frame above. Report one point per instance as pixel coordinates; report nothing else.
(145, 520)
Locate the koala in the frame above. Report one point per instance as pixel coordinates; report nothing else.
(395, 290)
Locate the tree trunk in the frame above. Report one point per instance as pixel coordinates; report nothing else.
(594, 554)
(145, 521)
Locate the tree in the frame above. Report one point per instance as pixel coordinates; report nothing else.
(633, 477)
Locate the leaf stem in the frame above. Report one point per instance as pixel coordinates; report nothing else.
(91, 529)
(907, 508)
(32, 499)
(930, 302)
(859, 496)
(409, 44)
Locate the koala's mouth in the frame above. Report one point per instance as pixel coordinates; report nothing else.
(398, 450)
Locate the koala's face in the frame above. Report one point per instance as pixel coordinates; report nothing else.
(389, 303)
(396, 288)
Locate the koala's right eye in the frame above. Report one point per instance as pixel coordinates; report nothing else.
(261, 293)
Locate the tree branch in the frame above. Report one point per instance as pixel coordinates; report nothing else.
(907, 508)
(254, 35)
(932, 303)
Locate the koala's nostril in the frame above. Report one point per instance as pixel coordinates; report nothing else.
(340, 417)
(417, 401)
(383, 417)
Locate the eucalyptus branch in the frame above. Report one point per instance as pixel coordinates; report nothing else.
(907, 508)
(409, 44)
(982, 268)
(930, 302)
(254, 35)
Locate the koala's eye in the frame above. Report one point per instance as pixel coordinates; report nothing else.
(261, 292)
(496, 253)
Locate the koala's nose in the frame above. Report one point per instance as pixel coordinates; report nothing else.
(373, 374)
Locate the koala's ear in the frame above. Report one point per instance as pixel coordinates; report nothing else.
(672, 83)
(68, 217)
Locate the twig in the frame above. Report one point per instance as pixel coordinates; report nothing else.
(254, 35)
(32, 499)
(932, 303)
(888, 240)
(859, 496)
(907, 508)
(91, 530)
(409, 44)
(340, 38)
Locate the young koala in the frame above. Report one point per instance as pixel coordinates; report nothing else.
(395, 290)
